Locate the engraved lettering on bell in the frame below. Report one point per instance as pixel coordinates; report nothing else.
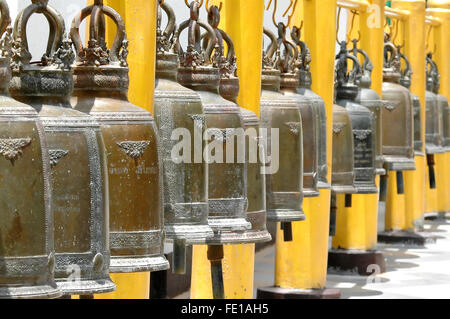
(361, 134)
(56, 155)
(134, 149)
(294, 127)
(337, 127)
(11, 148)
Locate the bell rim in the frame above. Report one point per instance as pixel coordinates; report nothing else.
(310, 193)
(323, 185)
(192, 234)
(399, 163)
(366, 187)
(129, 264)
(285, 215)
(31, 292)
(86, 287)
(247, 237)
(343, 189)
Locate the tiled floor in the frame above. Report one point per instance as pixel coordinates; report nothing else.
(412, 272)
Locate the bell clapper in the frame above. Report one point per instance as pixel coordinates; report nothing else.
(400, 183)
(287, 231)
(179, 257)
(383, 187)
(430, 163)
(215, 256)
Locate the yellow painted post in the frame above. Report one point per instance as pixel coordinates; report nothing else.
(301, 265)
(441, 9)
(243, 21)
(415, 181)
(140, 21)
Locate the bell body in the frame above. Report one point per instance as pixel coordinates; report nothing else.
(343, 176)
(185, 181)
(319, 106)
(434, 123)
(284, 180)
(364, 149)
(310, 128)
(134, 168)
(418, 144)
(27, 259)
(78, 197)
(446, 121)
(371, 100)
(227, 198)
(398, 133)
(256, 192)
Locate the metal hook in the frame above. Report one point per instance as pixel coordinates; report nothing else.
(188, 5)
(355, 13)
(207, 6)
(338, 24)
(161, 2)
(396, 32)
(274, 11)
(293, 5)
(430, 27)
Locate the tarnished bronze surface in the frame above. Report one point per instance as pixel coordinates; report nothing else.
(434, 118)
(304, 88)
(176, 107)
(397, 114)
(284, 188)
(405, 81)
(288, 65)
(342, 173)
(371, 100)
(131, 143)
(363, 123)
(77, 158)
(27, 258)
(227, 188)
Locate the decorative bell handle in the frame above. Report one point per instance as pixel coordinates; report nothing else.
(343, 75)
(407, 72)
(367, 65)
(97, 31)
(305, 54)
(285, 65)
(56, 34)
(390, 53)
(5, 17)
(171, 23)
(271, 49)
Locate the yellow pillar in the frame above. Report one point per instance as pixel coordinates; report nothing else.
(243, 22)
(302, 263)
(414, 35)
(140, 21)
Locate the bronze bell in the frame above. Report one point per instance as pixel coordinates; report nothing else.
(185, 179)
(363, 123)
(405, 81)
(27, 258)
(433, 126)
(304, 88)
(131, 142)
(281, 121)
(397, 114)
(227, 200)
(370, 99)
(289, 65)
(229, 90)
(75, 143)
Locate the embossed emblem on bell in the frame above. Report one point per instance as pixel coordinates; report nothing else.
(27, 259)
(362, 120)
(433, 118)
(397, 114)
(280, 115)
(130, 137)
(342, 172)
(370, 99)
(185, 179)
(304, 88)
(405, 81)
(289, 64)
(199, 71)
(77, 157)
(229, 90)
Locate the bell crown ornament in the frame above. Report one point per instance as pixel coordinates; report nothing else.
(289, 62)
(432, 74)
(271, 76)
(304, 65)
(392, 63)
(366, 66)
(166, 51)
(407, 72)
(347, 81)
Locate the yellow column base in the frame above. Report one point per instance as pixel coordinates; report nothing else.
(129, 286)
(415, 195)
(395, 205)
(356, 226)
(302, 263)
(238, 272)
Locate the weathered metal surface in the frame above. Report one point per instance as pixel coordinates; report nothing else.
(77, 158)
(304, 88)
(397, 114)
(27, 258)
(177, 107)
(131, 142)
(362, 120)
(284, 188)
(310, 119)
(227, 188)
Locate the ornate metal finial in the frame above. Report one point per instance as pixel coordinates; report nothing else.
(165, 39)
(367, 65)
(97, 52)
(272, 54)
(406, 73)
(290, 62)
(391, 61)
(432, 74)
(344, 77)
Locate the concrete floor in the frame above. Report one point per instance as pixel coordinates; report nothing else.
(412, 272)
